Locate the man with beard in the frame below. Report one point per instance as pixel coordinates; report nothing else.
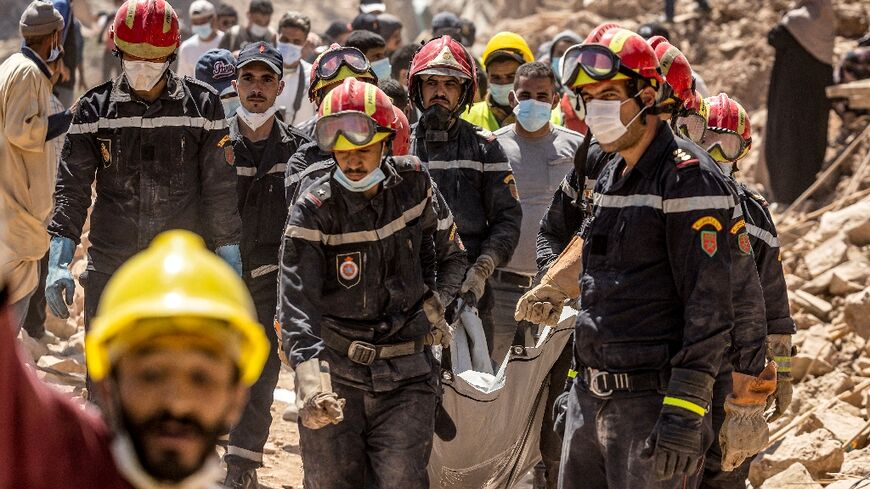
(174, 347)
(467, 164)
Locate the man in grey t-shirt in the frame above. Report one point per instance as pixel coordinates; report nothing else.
(541, 154)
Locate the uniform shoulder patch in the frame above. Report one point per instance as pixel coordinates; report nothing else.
(318, 193)
(683, 159)
(408, 163)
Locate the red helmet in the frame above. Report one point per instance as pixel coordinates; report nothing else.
(346, 63)
(147, 29)
(443, 56)
(402, 141)
(595, 35)
(676, 70)
(619, 54)
(729, 136)
(354, 115)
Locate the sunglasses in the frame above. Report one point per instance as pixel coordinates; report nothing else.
(357, 127)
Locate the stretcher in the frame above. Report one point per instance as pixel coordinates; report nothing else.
(497, 417)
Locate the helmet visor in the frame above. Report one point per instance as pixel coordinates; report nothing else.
(357, 128)
(726, 142)
(332, 61)
(692, 126)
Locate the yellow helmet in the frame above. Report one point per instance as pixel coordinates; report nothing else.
(176, 278)
(512, 45)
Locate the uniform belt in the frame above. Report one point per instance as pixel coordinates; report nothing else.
(604, 384)
(366, 353)
(511, 278)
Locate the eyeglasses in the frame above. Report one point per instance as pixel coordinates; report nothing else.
(357, 127)
(727, 142)
(332, 61)
(691, 125)
(597, 61)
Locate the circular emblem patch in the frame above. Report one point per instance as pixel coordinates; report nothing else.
(349, 269)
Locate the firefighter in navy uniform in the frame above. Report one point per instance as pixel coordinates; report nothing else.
(364, 276)
(728, 139)
(467, 164)
(151, 141)
(258, 147)
(656, 309)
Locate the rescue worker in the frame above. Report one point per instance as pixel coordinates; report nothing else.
(259, 17)
(539, 153)
(467, 164)
(504, 53)
(217, 69)
(151, 141)
(728, 139)
(364, 276)
(28, 160)
(656, 296)
(258, 148)
(174, 346)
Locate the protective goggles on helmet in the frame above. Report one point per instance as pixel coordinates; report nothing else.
(728, 144)
(597, 61)
(691, 125)
(332, 61)
(347, 131)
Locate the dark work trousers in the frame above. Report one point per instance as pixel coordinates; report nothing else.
(714, 477)
(604, 439)
(551, 443)
(384, 441)
(249, 435)
(34, 320)
(93, 283)
(506, 330)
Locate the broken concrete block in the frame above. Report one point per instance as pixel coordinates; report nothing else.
(856, 462)
(812, 304)
(794, 476)
(75, 345)
(851, 483)
(815, 391)
(826, 255)
(33, 347)
(818, 451)
(815, 354)
(67, 365)
(857, 312)
(793, 281)
(837, 280)
(854, 221)
(842, 424)
(804, 320)
(62, 328)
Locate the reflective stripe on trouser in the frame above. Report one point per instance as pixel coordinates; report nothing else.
(249, 435)
(604, 439)
(714, 477)
(384, 440)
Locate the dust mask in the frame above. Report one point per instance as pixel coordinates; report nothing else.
(602, 117)
(255, 119)
(258, 30)
(143, 75)
(532, 114)
(289, 52)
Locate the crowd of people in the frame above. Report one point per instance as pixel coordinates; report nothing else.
(256, 196)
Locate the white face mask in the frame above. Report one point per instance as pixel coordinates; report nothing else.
(143, 75)
(289, 51)
(202, 30)
(602, 117)
(258, 30)
(255, 120)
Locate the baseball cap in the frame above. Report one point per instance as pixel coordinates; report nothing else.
(217, 67)
(372, 6)
(365, 22)
(200, 9)
(264, 53)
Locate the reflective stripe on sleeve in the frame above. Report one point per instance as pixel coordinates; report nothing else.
(567, 189)
(689, 204)
(139, 122)
(684, 404)
(469, 165)
(771, 240)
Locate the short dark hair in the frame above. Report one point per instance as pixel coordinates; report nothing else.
(261, 7)
(297, 20)
(401, 59)
(365, 40)
(535, 69)
(225, 10)
(396, 92)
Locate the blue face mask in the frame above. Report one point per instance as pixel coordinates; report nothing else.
(361, 185)
(202, 30)
(532, 114)
(499, 93)
(382, 68)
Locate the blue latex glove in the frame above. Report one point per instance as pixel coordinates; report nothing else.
(59, 281)
(232, 255)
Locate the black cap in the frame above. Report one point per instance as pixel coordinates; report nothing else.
(445, 20)
(365, 22)
(264, 53)
(261, 7)
(336, 29)
(217, 68)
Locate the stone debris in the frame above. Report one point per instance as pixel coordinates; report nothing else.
(819, 452)
(794, 476)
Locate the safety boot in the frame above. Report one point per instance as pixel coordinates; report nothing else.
(241, 478)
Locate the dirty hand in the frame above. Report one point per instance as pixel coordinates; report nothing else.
(744, 432)
(779, 350)
(442, 332)
(59, 285)
(476, 276)
(318, 405)
(541, 305)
